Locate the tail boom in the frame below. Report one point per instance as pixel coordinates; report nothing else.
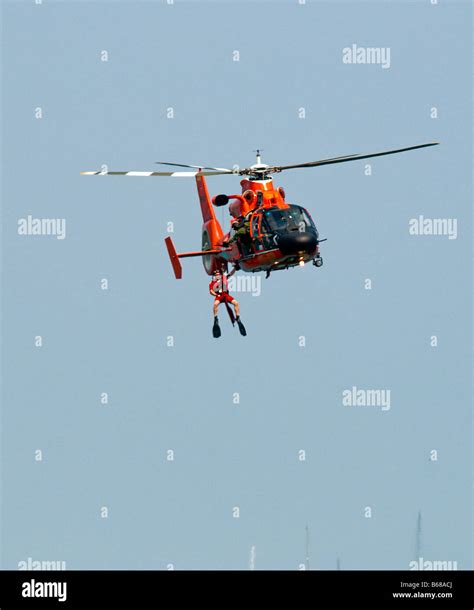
(174, 256)
(206, 206)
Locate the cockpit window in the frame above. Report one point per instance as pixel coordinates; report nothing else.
(293, 218)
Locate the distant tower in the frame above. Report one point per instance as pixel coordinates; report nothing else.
(418, 540)
(338, 564)
(253, 556)
(307, 548)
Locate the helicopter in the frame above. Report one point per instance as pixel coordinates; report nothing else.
(267, 232)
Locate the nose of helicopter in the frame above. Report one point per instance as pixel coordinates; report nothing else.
(297, 242)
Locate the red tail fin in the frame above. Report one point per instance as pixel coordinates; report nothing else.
(178, 270)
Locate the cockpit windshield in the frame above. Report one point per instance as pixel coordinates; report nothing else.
(293, 218)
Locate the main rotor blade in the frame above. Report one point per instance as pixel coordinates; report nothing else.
(146, 174)
(357, 157)
(217, 169)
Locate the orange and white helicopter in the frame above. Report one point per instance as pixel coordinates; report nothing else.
(267, 232)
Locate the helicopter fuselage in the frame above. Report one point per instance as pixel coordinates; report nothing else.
(267, 233)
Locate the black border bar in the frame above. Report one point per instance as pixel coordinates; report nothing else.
(239, 589)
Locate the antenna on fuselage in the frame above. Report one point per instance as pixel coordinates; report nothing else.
(259, 157)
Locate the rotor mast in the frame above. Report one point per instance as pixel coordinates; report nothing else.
(259, 156)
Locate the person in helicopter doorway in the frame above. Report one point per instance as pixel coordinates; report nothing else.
(240, 233)
(219, 289)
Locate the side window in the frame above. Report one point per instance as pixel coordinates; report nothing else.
(265, 227)
(305, 217)
(267, 238)
(255, 221)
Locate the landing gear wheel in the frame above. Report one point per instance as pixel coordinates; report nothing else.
(318, 262)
